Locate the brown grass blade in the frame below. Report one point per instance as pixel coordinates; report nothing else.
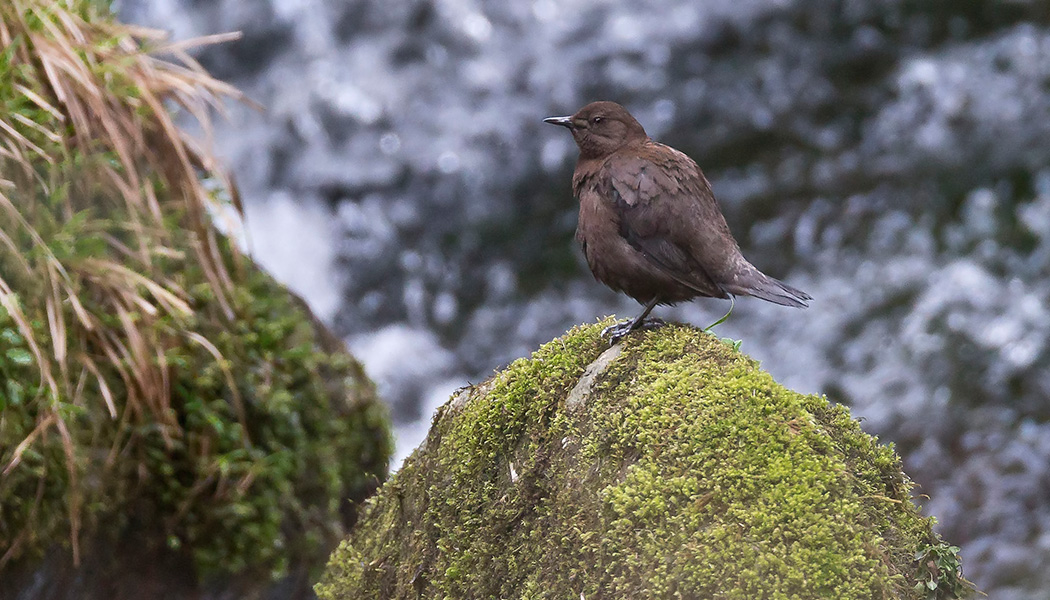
(238, 404)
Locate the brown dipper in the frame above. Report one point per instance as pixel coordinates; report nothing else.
(649, 224)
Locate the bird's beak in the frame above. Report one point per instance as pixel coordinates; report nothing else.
(563, 121)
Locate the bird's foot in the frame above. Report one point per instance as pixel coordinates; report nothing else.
(617, 331)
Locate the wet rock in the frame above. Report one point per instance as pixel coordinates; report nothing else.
(666, 466)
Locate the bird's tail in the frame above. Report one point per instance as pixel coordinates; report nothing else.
(762, 286)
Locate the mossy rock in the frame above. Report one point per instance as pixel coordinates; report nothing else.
(247, 496)
(173, 422)
(669, 466)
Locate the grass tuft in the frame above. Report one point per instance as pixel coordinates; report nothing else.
(146, 368)
(85, 140)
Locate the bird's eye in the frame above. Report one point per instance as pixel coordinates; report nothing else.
(596, 120)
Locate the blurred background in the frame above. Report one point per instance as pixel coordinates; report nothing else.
(890, 157)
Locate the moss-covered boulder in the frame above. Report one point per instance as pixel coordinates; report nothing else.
(669, 466)
(244, 496)
(173, 422)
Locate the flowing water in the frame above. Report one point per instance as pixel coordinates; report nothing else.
(889, 157)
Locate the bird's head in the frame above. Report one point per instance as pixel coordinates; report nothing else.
(601, 128)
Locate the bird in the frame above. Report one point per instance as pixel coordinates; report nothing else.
(649, 224)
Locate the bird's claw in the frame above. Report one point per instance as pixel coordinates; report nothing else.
(617, 331)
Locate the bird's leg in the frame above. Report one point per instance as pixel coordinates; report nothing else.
(617, 331)
(642, 321)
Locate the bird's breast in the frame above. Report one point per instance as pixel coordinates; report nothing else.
(616, 263)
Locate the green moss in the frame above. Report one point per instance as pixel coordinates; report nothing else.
(236, 432)
(256, 465)
(687, 472)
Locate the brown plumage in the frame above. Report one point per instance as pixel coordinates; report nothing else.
(649, 223)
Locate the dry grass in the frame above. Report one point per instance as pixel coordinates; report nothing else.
(92, 133)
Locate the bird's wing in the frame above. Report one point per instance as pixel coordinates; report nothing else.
(660, 199)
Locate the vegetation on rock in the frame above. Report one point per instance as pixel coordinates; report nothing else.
(151, 377)
(673, 467)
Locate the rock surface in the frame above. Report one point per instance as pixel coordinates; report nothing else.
(667, 466)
